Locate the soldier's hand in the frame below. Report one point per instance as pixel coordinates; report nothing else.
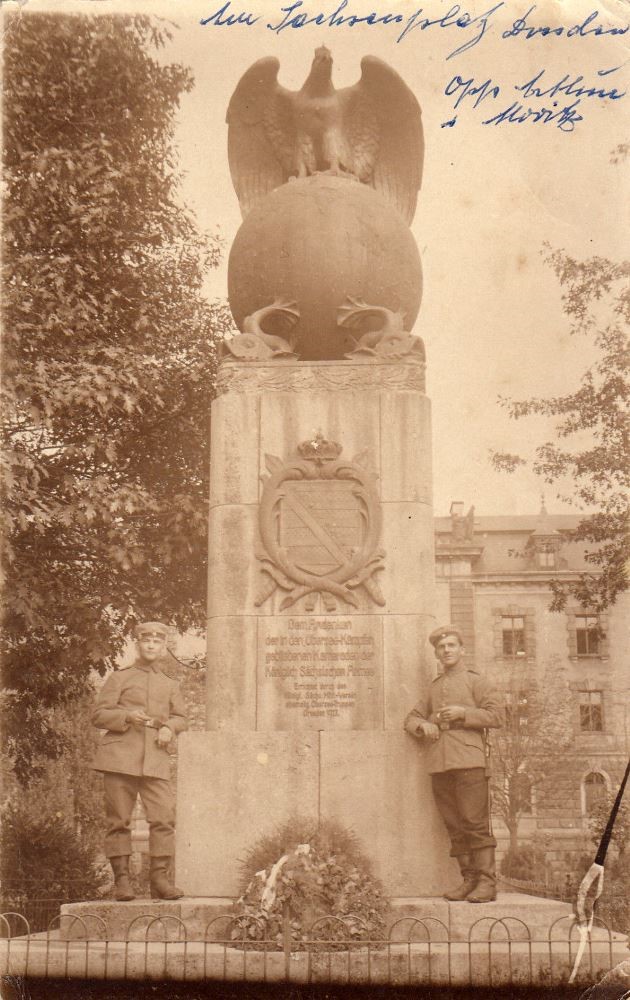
(137, 717)
(164, 736)
(430, 730)
(453, 713)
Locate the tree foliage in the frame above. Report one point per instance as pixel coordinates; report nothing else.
(621, 831)
(109, 359)
(44, 858)
(532, 744)
(597, 302)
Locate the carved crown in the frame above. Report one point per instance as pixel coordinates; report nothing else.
(319, 449)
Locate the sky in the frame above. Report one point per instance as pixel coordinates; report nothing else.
(491, 316)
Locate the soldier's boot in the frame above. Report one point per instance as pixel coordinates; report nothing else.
(486, 889)
(469, 876)
(122, 886)
(162, 886)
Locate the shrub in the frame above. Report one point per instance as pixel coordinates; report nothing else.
(621, 831)
(303, 872)
(42, 858)
(523, 864)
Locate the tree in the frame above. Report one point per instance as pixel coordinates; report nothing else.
(109, 360)
(531, 745)
(597, 302)
(621, 831)
(53, 829)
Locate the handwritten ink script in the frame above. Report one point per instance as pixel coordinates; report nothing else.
(471, 27)
(297, 15)
(539, 88)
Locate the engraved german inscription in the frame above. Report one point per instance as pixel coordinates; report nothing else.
(320, 673)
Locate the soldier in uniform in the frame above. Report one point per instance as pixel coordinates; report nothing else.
(451, 719)
(142, 710)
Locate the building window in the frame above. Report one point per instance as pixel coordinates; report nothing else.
(591, 713)
(513, 630)
(595, 791)
(587, 635)
(546, 556)
(516, 711)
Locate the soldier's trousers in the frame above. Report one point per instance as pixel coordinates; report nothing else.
(462, 799)
(121, 792)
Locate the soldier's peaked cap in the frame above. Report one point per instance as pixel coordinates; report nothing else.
(151, 630)
(442, 632)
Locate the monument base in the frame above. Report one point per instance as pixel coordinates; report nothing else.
(410, 918)
(374, 783)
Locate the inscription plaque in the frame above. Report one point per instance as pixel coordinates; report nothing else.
(320, 673)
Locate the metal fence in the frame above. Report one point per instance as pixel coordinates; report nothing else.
(417, 950)
(40, 900)
(39, 913)
(564, 891)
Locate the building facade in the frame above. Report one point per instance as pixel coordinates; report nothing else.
(565, 675)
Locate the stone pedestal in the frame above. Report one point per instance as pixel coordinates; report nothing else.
(202, 918)
(320, 471)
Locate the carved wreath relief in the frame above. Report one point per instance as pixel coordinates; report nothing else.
(320, 526)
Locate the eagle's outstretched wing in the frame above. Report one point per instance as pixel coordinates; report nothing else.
(261, 134)
(383, 128)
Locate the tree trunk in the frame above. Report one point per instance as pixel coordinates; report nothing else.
(512, 826)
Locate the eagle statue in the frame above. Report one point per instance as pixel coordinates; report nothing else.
(371, 132)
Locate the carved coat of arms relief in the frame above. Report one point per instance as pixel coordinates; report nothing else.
(320, 527)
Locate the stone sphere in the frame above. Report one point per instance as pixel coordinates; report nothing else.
(318, 241)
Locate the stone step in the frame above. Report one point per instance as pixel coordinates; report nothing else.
(513, 916)
(192, 918)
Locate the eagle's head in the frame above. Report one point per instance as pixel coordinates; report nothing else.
(323, 56)
(319, 79)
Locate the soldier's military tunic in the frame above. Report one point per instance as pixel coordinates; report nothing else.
(131, 761)
(456, 761)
